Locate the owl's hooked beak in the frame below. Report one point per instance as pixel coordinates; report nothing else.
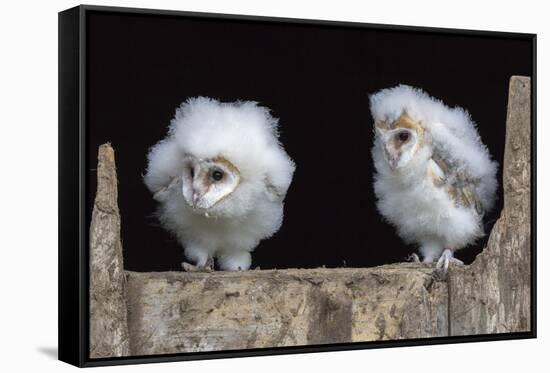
(393, 156)
(193, 193)
(393, 159)
(196, 199)
(197, 195)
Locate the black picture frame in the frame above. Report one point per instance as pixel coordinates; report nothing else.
(74, 213)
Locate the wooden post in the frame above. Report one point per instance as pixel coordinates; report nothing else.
(108, 313)
(493, 294)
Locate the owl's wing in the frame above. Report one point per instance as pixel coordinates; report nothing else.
(274, 192)
(457, 183)
(279, 170)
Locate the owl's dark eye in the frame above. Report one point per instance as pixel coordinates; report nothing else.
(403, 136)
(192, 172)
(217, 175)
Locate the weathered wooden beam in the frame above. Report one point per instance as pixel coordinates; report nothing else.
(188, 311)
(108, 313)
(493, 294)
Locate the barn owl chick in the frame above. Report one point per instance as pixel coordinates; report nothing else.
(220, 177)
(434, 178)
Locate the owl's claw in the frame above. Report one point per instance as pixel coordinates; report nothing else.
(442, 265)
(413, 258)
(210, 262)
(208, 267)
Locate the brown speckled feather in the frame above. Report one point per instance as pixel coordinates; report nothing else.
(459, 185)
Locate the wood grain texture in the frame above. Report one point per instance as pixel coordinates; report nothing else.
(188, 311)
(493, 294)
(108, 313)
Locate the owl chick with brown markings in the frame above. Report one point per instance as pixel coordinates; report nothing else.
(434, 178)
(220, 177)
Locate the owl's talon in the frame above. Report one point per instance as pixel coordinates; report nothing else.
(210, 263)
(442, 265)
(188, 267)
(413, 258)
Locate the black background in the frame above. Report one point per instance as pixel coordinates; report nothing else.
(316, 79)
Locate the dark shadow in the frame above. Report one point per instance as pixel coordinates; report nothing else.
(50, 352)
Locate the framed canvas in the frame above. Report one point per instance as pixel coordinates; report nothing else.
(237, 186)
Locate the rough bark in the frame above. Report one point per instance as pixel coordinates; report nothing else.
(493, 294)
(108, 313)
(179, 311)
(171, 312)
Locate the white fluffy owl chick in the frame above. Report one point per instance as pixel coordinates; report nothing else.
(434, 177)
(220, 177)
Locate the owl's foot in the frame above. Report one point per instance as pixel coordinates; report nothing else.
(413, 258)
(442, 265)
(207, 267)
(235, 261)
(188, 267)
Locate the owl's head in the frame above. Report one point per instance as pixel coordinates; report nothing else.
(219, 159)
(400, 139)
(205, 182)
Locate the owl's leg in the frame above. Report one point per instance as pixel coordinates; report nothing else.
(210, 262)
(443, 263)
(413, 258)
(235, 261)
(203, 261)
(431, 250)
